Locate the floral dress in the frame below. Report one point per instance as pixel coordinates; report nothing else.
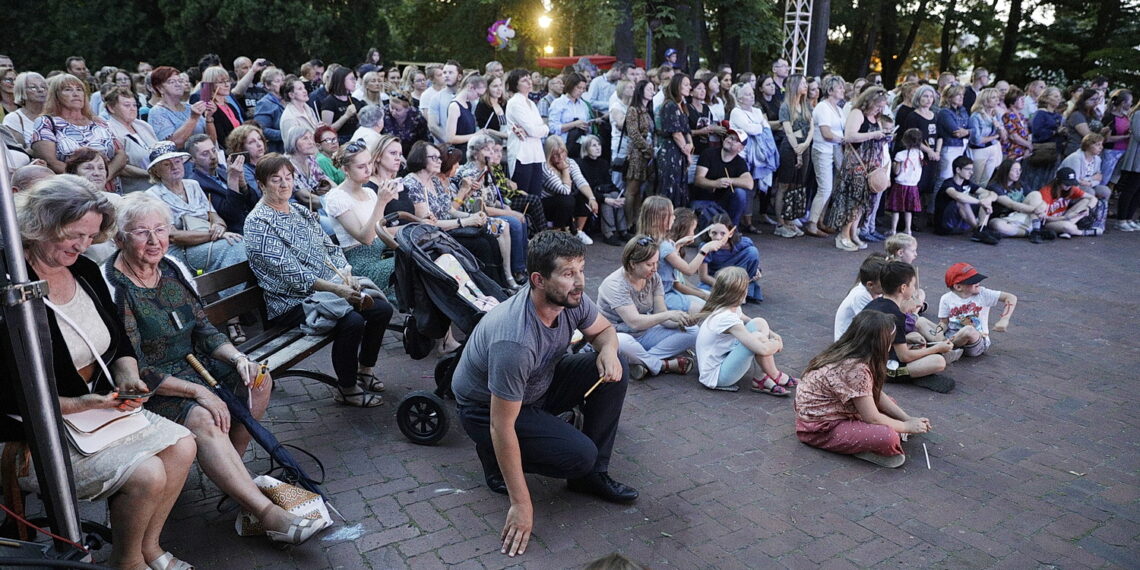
(854, 194)
(639, 131)
(1015, 125)
(671, 162)
(165, 323)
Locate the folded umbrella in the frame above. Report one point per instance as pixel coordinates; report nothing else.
(293, 473)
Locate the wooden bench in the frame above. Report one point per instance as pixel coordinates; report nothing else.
(282, 347)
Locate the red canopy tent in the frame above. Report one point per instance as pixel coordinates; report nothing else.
(602, 61)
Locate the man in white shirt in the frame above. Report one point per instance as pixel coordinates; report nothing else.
(664, 75)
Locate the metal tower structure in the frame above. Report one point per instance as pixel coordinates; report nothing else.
(797, 31)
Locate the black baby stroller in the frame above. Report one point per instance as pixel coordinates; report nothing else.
(438, 283)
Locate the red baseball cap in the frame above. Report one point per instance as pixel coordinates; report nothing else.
(964, 274)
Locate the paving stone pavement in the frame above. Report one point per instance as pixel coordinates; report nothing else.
(1033, 457)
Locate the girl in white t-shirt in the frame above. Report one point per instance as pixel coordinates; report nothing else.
(903, 196)
(729, 343)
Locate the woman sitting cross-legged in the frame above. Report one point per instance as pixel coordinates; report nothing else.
(164, 320)
(729, 343)
(840, 404)
(292, 258)
(633, 299)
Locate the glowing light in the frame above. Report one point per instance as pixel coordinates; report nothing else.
(544, 21)
(548, 50)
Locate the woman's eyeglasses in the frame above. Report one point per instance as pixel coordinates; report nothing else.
(142, 235)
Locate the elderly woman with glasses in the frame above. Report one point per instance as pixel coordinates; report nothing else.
(164, 319)
(136, 137)
(633, 298)
(68, 125)
(142, 474)
(30, 94)
(202, 240)
(482, 156)
(172, 118)
(293, 258)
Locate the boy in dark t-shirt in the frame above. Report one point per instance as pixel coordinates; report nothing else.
(961, 205)
(918, 365)
(723, 177)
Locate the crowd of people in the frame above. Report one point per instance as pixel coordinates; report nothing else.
(132, 183)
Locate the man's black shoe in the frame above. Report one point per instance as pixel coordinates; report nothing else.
(613, 240)
(1035, 236)
(1049, 235)
(495, 483)
(603, 486)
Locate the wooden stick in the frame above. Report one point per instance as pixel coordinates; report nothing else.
(594, 387)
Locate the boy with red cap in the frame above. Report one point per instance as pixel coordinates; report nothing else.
(964, 311)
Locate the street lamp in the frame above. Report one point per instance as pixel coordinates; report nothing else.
(544, 21)
(548, 50)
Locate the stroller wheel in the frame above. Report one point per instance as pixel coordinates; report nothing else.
(444, 370)
(422, 418)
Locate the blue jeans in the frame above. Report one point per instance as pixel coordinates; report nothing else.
(738, 362)
(734, 204)
(518, 243)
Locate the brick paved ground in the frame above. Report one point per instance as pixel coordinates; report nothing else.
(1034, 455)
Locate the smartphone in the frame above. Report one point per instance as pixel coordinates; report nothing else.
(134, 395)
(242, 154)
(206, 93)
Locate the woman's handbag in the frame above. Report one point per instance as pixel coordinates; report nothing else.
(92, 431)
(1044, 154)
(878, 179)
(293, 499)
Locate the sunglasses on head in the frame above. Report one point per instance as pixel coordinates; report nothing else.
(356, 146)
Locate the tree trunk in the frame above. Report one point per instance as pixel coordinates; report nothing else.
(715, 58)
(729, 45)
(947, 27)
(888, 41)
(623, 32)
(1009, 42)
(699, 36)
(892, 66)
(817, 41)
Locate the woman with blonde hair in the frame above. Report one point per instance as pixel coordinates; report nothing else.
(986, 134)
(228, 114)
(864, 151)
(67, 125)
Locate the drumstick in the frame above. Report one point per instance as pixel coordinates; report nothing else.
(201, 370)
(594, 387)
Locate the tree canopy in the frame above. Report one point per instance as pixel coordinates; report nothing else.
(1058, 40)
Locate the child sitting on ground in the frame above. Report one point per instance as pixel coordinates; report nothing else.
(964, 311)
(864, 291)
(729, 343)
(737, 250)
(908, 364)
(919, 330)
(962, 206)
(840, 405)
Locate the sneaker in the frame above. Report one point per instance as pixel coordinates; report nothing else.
(1093, 232)
(889, 461)
(1065, 235)
(1134, 225)
(1125, 226)
(613, 240)
(983, 237)
(844, 243)
(638, 371)
(953, 356)
(785, 232)
(1035, 236)
(584, 238)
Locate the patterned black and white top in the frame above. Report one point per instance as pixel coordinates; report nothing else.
(288, 253)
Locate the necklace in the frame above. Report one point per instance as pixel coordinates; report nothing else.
(138, 276)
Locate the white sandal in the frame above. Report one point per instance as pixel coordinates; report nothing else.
(168, 562)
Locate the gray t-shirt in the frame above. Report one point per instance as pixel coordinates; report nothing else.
(511, 353)
(615, 291)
